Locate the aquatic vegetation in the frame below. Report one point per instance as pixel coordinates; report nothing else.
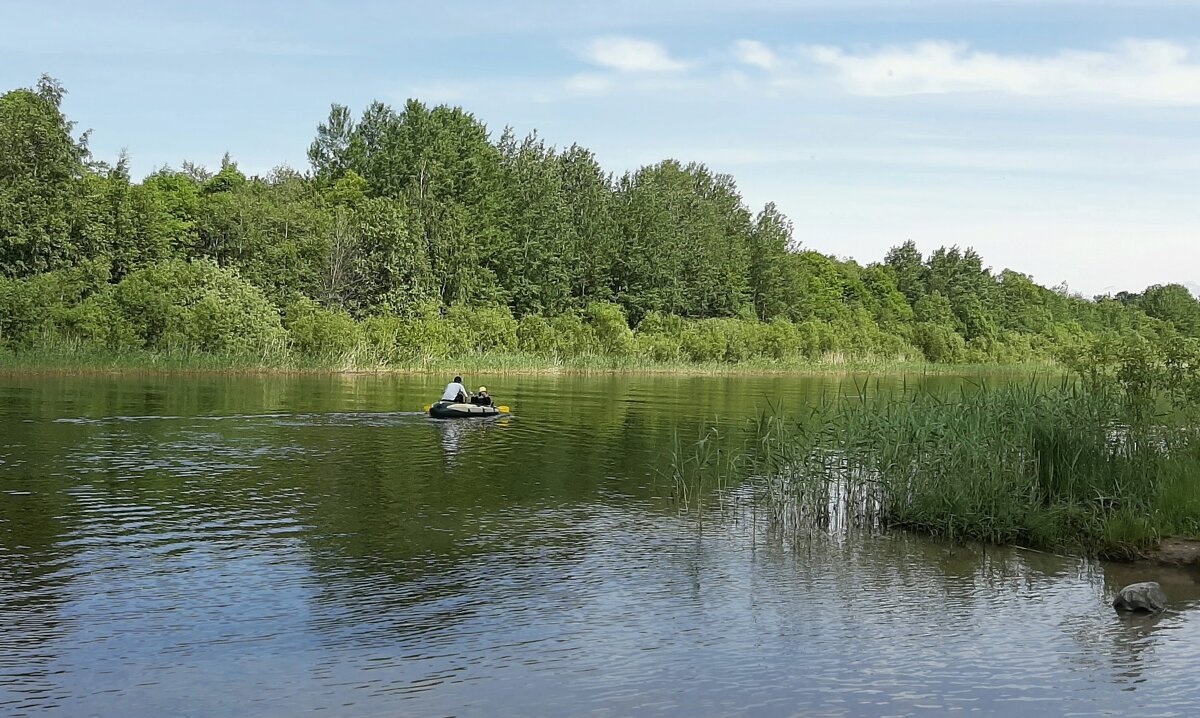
(1032, 464)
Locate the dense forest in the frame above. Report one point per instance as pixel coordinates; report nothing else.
(417, 235)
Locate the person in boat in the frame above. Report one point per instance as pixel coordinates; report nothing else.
(455, 391)
(483, 398)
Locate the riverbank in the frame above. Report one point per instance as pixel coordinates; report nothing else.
(82, 361)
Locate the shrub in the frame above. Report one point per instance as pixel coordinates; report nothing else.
(745, 339)
(34, 308)
(939, 343)
(815, 338)
(659, 337)
(316, 331)
(425, 335)
(195, 306)
(612, 334)
(572, 338)
(484, 329)
(781, 339)
(535, 336)
(381, 338)
(703, 341)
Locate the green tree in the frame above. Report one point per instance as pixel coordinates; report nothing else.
(684, 246)
(770, 240)
(910, 270)
(1174, 304)
(41, 164)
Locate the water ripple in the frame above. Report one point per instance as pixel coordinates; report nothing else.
(284, 557)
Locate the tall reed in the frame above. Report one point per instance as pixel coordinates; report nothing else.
(1034, 464)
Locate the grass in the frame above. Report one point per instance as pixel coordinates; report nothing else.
(1041, 465)
(68, 359)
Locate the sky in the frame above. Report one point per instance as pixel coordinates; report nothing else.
(1059, 138)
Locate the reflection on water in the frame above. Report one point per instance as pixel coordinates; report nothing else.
(225, 546)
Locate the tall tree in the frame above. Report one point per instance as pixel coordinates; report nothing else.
(770, 241)
(41, 164)
(331, 152)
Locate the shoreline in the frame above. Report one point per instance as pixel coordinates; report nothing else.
(61, 364)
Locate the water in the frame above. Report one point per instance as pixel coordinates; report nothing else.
(278, 546)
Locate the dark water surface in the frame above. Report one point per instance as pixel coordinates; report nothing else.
(278, 546)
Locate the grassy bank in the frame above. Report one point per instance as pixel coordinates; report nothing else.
(72, 359)
(1043, 465)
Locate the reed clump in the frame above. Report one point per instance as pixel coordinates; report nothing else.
(1061, 465)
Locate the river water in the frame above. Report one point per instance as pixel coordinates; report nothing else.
(279, 546)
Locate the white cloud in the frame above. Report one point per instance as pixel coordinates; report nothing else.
(753, 52)
(628, 54)
(1150, 71)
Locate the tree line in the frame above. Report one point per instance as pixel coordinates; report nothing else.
(416, 235)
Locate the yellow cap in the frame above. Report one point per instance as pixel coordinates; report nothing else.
(483, 388)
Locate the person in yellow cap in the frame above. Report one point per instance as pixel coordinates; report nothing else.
(482, 398)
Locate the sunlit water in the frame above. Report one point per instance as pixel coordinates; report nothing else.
(277, 546)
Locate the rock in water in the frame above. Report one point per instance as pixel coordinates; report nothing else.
(1145, 596)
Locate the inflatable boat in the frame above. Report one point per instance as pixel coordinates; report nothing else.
(454, 410)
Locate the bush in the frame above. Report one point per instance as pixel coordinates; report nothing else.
(25, 311)
(484, 329)
(745, 339)
(703, 341)
(572, 338)
(381, 338)
(781, 340)
(173, 305)
(34, 308)
(535, 336)
(425, 335)
(612, 334)
(939, 343)
(815, 338)
(98, 321)
(315, 331)
(659, 337)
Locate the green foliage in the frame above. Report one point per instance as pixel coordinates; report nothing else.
(572, 338)
(610, 329)
(378, 262)
(1173, 304)
(534, 336)
(40, 167)
(441, 241)
(484, 329)
(176, 305)
(314, 330)
(381, 338)
(229, 179)
(940, 344)
(684, 247)
(660, 337)
(34, 308)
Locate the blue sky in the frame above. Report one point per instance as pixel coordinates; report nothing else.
(1057, 138)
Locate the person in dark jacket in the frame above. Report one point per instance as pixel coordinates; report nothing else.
(483, 398)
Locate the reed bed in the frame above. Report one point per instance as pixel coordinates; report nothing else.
(69, 358)
(1039, 465)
